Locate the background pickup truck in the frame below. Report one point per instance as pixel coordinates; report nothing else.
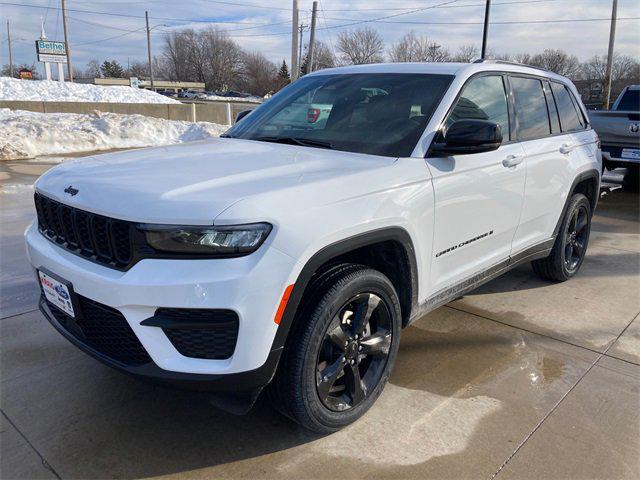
(619, 130)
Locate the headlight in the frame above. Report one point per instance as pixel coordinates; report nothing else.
(224, 240)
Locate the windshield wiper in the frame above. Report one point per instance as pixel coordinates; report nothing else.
(304, 142)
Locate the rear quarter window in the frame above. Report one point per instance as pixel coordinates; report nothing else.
(570, 118)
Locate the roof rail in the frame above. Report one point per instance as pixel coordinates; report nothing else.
(507, 62)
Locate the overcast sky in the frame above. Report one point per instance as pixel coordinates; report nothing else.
(117, 30)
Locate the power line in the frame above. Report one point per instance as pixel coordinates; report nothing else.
(221, 30)
(471, 5)
(112, 14)
(110, 38)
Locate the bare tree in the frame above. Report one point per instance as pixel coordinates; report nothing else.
(414, 48)
(507, 57)
(524, 58)
(360, 46)
(557, 61)
(323, 57)
(623, 68)
(259, 75)
(5, 71)
(224, 60)
(91, 70)
(466, 54)
(208, 56)
(138, 69)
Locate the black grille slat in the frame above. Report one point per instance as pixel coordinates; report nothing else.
(66, 219)
(121, 240)
(100, 232)
(101, 239)
(84, 232)
(105, 330)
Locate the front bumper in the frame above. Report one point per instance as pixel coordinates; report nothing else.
(251, 286)
(238, 383)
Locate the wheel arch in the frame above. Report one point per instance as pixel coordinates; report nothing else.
(350, 249)
(587, 183)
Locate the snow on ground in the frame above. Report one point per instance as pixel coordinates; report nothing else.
(30, 134)
(219, 98)
(52, 91)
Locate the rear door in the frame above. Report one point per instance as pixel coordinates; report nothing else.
(478, 197)
(549, 128)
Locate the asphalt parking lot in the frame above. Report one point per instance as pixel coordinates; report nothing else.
(520, 379)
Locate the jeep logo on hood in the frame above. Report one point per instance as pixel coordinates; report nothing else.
(71, 191)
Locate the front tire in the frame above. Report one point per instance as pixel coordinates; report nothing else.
(341, 349)
(570, 246)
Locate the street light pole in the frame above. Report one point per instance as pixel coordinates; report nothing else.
(66, 41)
(300, 42)
(312, 37)
(146, 16)
(10, 54)
(485, 32)
(612, 37)
(294, 41)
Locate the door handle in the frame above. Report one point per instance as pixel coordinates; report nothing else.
(567, 147)
(512, 160)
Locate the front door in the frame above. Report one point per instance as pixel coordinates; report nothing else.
(478, 197)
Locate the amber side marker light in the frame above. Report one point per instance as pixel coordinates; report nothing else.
(283, 304)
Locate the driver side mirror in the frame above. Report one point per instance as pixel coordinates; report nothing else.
(468, 136)
(242, 114)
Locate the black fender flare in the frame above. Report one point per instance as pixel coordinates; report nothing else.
(334, 250)
(588, 174)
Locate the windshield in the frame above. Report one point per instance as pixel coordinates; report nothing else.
(379, 114)
(630, 101)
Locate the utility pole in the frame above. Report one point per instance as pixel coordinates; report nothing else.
(612, 37)
(486, 29)
(146, 17)
(300, 42)
(10, 54)
(312, 37)
(294, 42)
(66, 41)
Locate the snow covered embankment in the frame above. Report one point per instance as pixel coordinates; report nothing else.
(51, 91)
(28, 134)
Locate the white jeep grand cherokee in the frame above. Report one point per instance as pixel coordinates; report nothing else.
(289, 255)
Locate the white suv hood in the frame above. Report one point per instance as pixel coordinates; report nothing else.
(192, 183)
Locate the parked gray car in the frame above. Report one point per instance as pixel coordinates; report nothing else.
(619, 130)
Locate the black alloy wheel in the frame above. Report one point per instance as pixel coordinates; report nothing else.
(340, 350)
(570, 246)
(576, 238)
(354, 352)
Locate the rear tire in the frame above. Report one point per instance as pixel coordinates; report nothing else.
(570, 246)
(340, 350)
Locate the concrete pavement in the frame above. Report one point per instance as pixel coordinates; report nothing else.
(520, 379)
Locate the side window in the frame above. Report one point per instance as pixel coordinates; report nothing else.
(570, 118)
(531, 108)
(551, 105)
(484, 99)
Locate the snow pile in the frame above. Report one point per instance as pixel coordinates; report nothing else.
(219, 98)
(30, 134)
(52, 91)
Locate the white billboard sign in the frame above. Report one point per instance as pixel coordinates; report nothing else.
(51, 48)
(43, 57)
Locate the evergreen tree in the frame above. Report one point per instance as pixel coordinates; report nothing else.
(283, 74)
(112, 69)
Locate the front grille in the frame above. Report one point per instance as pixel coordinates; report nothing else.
(195, 333)
(105, 330)
(101, 239)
